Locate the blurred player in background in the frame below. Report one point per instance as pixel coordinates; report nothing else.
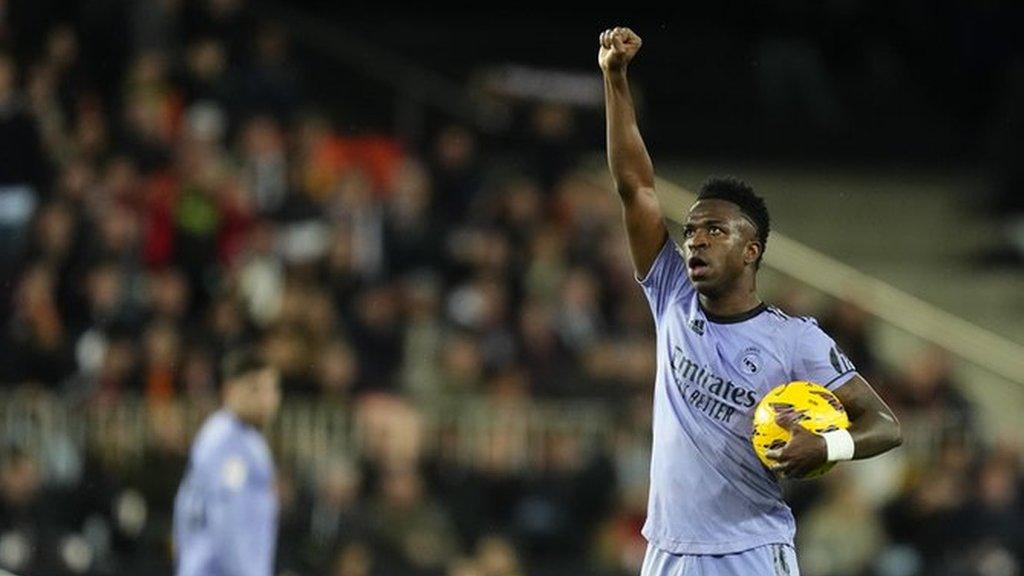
(225, 514)
(713, 509)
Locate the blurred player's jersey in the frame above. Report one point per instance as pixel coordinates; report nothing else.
(225, 514)
(709, 492)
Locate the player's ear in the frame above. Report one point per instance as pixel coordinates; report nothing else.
(751, 252)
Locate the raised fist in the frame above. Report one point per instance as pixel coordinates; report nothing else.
(618, 47)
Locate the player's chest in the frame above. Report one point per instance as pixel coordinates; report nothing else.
(734, 363)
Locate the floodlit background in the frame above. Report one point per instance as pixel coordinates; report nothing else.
(408, 210)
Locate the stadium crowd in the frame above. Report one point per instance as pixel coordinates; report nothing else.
(156, 214)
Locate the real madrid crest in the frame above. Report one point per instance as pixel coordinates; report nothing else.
(750, 361)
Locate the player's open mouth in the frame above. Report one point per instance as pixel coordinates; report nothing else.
(697, 266)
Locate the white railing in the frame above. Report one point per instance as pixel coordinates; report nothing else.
(469, 434)
(466, 432)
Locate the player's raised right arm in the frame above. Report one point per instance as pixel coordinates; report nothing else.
(628, 160)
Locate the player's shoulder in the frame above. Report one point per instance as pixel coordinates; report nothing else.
(801, 322)
(216, 436)
(802, 332)
(794, 327)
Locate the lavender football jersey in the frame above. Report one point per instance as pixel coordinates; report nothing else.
(709, 493)
(225, 513)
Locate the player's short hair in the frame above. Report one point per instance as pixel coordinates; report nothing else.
(241, 362)
(741, 194)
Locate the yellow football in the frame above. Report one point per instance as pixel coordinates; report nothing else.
(820, 410)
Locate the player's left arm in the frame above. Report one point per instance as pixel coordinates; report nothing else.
(873, 430)
(873, 426)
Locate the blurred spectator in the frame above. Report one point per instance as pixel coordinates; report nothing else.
(356, 559)
(30, 518)
(337, 514)
(36, 344)
(412, 228)
(337, 370)
(422, 346)
(841, 534)
(848, 325)
(929, 517)
(264, 164)
(412, 526)
(558, 508)
(455, 172)
(996, 518)
(206, 73)
(24, 169)
(926, 387)
(496, 556)
(271, 82)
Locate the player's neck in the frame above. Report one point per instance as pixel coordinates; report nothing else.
(732, 303)
(242, 416)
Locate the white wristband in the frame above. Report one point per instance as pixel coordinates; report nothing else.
(838, 445)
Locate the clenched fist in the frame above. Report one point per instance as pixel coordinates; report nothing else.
(618, 47)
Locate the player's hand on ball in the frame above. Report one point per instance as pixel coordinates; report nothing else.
(618, 47)
(804, 452)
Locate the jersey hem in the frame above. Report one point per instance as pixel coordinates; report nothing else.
(706, 548)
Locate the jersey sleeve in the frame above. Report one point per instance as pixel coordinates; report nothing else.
(666, 280)
(243, 519)
(818, 359)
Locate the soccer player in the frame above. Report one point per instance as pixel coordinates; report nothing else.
(225, 513)
(713, 509)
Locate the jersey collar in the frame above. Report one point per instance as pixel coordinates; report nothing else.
(733, 318)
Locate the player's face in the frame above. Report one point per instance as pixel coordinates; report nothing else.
(719, 244)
